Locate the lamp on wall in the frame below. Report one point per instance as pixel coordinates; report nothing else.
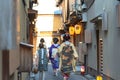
(78, 29)
(71, 30)
(82, 69)
(99, 77)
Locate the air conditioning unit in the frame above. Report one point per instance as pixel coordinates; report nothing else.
(88, 36)
(82, 50)
(84, 7)
(84, 17)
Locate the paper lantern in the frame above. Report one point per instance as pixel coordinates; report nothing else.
(71, 30)
(99, 77)
(78, 29)
(82, 70)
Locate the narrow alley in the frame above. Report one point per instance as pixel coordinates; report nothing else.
(49, 75)
(88, 29)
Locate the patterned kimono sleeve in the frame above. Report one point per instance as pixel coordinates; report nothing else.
(75, 51)
(59, 51)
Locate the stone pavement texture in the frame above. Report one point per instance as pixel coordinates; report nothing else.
(89, 77)
(49, 75)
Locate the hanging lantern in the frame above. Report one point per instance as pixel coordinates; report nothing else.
(99, 77)
(78, 29)
(82, 69)
(71, 30)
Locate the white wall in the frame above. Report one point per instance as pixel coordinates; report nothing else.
(111, 38)
(7, 25)
(0, 66)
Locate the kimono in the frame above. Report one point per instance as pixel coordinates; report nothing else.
(43, 59)
(54, 51)
(68, 54)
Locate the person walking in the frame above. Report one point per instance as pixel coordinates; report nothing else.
(68, 55)
(42, 59)
(53, 55)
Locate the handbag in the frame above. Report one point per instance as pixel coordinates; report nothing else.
(35, 69)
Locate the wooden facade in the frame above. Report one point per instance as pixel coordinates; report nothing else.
(26, 57)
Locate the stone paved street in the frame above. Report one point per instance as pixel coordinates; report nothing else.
(49, 75)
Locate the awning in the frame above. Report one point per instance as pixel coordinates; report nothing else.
(32, 14)
(98, 18)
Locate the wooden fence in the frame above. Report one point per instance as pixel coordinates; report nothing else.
(26, 57)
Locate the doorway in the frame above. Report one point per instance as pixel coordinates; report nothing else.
(99, 43)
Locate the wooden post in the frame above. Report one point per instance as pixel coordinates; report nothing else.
(5, 65)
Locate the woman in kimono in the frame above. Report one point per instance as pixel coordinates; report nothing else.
(42, 59)
(68, 55)
(53, 56)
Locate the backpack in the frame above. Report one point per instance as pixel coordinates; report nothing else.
(67, 57)
(54, 54)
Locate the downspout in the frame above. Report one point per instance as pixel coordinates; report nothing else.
(68, 10)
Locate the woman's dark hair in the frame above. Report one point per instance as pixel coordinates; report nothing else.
(42, 40)
(66, 37)
(55, 40)
(41, 45)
